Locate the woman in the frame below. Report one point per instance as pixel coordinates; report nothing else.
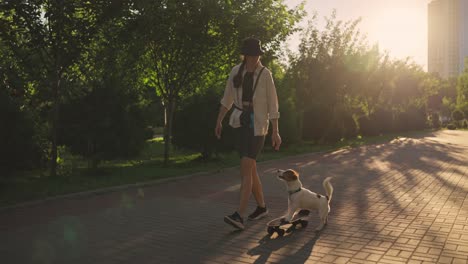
(251, 90)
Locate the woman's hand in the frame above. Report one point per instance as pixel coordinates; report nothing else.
(218, 130)
(276, 140)
(219, 127)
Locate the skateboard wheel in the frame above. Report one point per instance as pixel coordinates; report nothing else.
(280, 232)
(270, 230)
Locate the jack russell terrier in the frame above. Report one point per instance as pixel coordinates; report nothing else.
(302, 198)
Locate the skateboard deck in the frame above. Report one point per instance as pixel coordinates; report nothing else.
(280, 226)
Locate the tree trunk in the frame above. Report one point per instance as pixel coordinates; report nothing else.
(169, 109)
(55, 115)
(92, 155)
(300, 125)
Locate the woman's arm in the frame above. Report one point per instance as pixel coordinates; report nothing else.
(226, 104)
(219, 126)
(272, 99)
(274, 123)
(273, 113)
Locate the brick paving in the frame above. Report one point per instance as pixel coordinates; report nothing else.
(405, 201)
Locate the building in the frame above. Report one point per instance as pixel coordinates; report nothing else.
(447, 36)
(463, 32)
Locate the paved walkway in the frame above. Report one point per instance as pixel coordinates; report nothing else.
(401, 202)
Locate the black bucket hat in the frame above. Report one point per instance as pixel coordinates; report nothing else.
(251, 47)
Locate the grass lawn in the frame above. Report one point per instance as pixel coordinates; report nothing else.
(32, 185)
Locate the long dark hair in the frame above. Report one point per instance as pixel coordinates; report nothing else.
(239, 76)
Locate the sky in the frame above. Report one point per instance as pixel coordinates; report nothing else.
(397, 26)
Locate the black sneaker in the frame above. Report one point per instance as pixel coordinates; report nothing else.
(258, 213)
(235, 220)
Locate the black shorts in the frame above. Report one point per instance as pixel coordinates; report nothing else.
(248, 144)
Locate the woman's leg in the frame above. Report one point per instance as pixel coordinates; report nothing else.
(257, 188)
(246, 184)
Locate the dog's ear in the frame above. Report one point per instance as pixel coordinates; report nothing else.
(291, 175)
(295, 173)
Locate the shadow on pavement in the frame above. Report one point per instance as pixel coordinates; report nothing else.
(267, 246)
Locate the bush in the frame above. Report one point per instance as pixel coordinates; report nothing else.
(18, 140)
(451, 126)
(412, 119)
(105, 124)
(321, 125)
(287, 123)
(434, 120)
(149, 133)
(194, 125)
(331, 134)
(67, 163)
(350, 127)
(465, 124)
(458, 115)
(315, 123)
(367, 127)
(289, 119)
(381, 121)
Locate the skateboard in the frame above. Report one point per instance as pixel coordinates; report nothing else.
(280, 226)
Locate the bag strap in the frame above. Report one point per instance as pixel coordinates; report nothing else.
(254, 88)
(258, 78)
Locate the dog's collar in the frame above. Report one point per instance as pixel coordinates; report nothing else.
(295, 191)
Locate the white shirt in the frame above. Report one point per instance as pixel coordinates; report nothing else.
(265, 100)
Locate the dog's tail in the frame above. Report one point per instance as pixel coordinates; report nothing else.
(328, 188)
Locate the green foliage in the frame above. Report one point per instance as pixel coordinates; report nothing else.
(340, 80)
(379, 122)
(326, 75)
(109, 125)
(20, 149)
(464, 124)
(112, 122)
(287, 105)
(47, 38)
(194, 125)
(458, 115)
(462, 89)
(452, 126)
(461, 108)
(186, 55)
(413, 118)
(434, 120)
(92, 76)
(76, 56)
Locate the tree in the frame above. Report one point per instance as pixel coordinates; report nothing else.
(48, 37)
(193, 123)
(323, 70)
(111, 121)
(20, 148)
(458, 117)
(342, 83)
(181, 54)
(462, 90)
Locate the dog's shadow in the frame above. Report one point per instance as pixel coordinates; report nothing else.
(267, 245)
